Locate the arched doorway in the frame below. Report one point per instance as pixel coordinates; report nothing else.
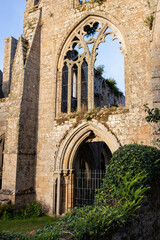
(81, 162)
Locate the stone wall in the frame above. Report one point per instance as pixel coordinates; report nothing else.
(4, 104)
(9, 53)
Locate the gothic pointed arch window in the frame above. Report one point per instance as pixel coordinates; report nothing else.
(2, 139)
(76, 65)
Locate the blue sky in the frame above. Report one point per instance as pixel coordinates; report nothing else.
(11, 24)
(109, 55)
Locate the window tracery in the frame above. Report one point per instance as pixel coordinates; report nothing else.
(77, 64)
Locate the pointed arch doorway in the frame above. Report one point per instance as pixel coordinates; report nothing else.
(83, 157)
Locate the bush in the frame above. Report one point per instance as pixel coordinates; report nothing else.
(9, 235)
(132, 161)
(6, 210)
(32, 210)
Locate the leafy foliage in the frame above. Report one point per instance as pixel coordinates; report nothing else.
(9, 235)
(149, 21)
(99, 70)
(153, 114)
(6, 210)
(154, 117)
(32, 210)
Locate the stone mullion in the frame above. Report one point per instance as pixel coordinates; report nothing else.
(69, 88)
(54, 197)
(79, 87)
(90, 85)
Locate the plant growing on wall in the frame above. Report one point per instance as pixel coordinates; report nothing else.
(149, 21)
(154, 117)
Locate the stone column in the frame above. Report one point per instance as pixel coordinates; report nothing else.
(66, 178)
(79, 88)
(58, 193)
(54, 195)
(70, 202)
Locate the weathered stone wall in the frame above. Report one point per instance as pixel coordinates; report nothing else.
(4, 104)
(104, 95)
(26, 166)
(21, 136)
(12, 127)
(155, 56)
(9, 53)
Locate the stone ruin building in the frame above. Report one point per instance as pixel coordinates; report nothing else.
(53, 146)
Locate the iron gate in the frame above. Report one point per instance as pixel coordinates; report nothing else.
(85, 185)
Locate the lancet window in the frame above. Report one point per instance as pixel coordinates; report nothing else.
(77, 65)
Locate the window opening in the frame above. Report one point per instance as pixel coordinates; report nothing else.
(74, 89)
(109, 73)
(82, 85)
(64, 89)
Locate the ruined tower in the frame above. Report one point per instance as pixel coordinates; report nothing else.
(48, 122)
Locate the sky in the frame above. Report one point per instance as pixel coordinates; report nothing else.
(110, 55)
(11, 24)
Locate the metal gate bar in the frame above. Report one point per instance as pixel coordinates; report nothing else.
(85, 185)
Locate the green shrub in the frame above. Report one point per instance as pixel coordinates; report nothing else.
(6, 210)
(9, 235)
(49, 232)
(32, 210)
(129, 160)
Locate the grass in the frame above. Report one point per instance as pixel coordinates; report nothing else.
(25, 225)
